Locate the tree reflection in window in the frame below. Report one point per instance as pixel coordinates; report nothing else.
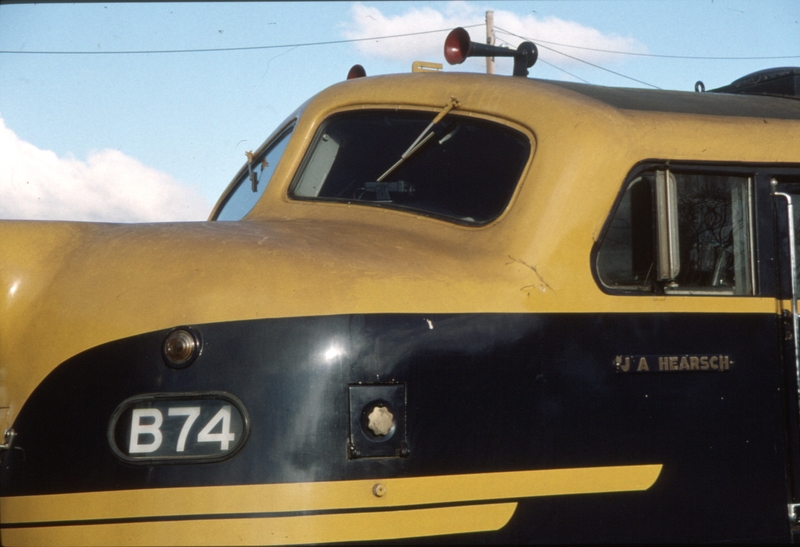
(713, 233)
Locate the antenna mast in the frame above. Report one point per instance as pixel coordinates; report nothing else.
(490, 40)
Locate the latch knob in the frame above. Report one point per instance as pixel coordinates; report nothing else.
(381, 421)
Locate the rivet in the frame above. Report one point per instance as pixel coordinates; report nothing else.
(379, 490)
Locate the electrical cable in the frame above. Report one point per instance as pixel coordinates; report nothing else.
(564, 71)
(246, 48)
(697, 57)
(556, 67)
(577, 59)
(206, 50)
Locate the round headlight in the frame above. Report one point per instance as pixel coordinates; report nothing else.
(181, 347)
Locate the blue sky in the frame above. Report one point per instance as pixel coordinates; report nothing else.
(158, 136)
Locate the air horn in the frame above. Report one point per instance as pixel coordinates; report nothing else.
(458, 46)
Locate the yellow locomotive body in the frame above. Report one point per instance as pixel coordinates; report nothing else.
(532, 396)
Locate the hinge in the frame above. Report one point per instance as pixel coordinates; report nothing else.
(788, 325)
(9, 440)
(793, 516)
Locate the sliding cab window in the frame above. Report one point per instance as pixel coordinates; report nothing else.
(461, 169)
(253, 180)
(676, 232)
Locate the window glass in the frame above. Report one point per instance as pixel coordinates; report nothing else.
(461, 168)
(713, 239)
(251, 185)
(626, 259)
(713, 217)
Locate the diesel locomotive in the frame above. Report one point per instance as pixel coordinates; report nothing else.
(439, 307)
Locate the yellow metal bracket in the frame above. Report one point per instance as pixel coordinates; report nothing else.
(424, 66)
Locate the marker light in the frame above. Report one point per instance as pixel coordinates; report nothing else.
(181, 347)
(456, 46)
(357, 71)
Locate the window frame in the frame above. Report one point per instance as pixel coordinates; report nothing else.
(522, 131)
(761, 224)
(284, 131)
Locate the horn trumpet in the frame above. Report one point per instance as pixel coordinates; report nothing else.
(458, 46)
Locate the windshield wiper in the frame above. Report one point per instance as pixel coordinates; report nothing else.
(423, 138)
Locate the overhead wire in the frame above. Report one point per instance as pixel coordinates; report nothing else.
(539, 42)
(564, 71)
(663, 56)
(555, 67)
(333, 42)
(305, 44)
(244, 48)
(576, 58)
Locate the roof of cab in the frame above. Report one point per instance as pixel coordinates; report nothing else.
(683, 102)
(618, 98)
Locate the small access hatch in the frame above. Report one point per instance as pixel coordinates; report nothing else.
(377, 421)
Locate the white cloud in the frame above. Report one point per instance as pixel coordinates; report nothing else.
(370, 21)
(108, 187)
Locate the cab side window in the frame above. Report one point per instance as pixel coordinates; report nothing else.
(254, 179)
(680, 233)
(626, 257)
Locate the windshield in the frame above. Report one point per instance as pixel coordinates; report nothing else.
(253, 180)
(465, 169)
